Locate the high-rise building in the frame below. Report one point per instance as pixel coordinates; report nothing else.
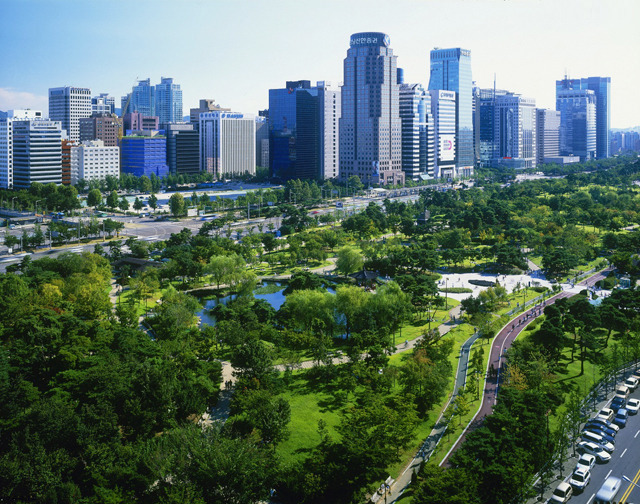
(262, 141)
(67, 105)
(103, 104)
(303, 130)
(548, 134)
(485, 124)
(37, 151)
(418, 132)
(144, 153)
(66, 147)
(206, 105)
(451, 71)
(515, 131)
(182, 149)
(443, 110)
(136, 121)
(168, 101)
(142, 99)
(103, 127)
(227, 144)
(94, 161)
(370, 126)
(577, 109)
(601, 87)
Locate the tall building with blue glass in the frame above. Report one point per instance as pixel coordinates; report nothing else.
(577, 106)
(168, 101)
(601, 87)
(451, 71)
(370, 126)
(142, 99)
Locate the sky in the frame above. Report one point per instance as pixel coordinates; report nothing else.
(234, 51)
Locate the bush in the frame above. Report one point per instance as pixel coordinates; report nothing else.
(456, 290)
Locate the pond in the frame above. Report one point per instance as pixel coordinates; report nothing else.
(271, 292)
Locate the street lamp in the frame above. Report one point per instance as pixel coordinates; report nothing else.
(629, 480)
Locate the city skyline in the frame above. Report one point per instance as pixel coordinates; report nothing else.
(235, 52)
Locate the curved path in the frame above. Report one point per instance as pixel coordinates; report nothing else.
(502, 342)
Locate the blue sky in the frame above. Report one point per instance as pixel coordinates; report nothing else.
(233, 51)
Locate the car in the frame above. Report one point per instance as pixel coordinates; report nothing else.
(608, 490)
(636, 375)
(603, 427)
(633, 405)
(562, 493)
(598, 439)
(586, 461)
(622, 391)
(621, 417)
(631, 383)
(607, 437)
(604, 423)
(593, 449)
(617, 403)
(580, 479)
(606, 414)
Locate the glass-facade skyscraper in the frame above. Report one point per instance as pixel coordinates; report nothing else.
(370, 127)
(168, 100)
(418, 132)
(577, 109)
(142, 99)
(451, 71)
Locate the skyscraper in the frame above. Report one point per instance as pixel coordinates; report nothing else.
(451, 71)
(6, 142)
(443, 109)
(142, 99)
(548, 134)
(370, 126)
(486, 118)
(577, 109)
(418, 135)
(67, 105)
(182, 149)
(515, 131)
(601, 87)
(37, 152)
(103, 104)
(168, 101)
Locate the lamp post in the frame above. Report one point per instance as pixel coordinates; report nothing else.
(629, 480)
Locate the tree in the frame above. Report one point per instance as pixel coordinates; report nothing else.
(177, 205)
(123, 204)
(349, 260)
(137, 204)
(144, 184)
(94, 198)
(112, 199)
(153, 201)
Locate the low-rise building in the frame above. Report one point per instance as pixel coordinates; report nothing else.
(93, 160)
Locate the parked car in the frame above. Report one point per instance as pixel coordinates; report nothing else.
(606, 428)
(633, 405)
(593, 449)
(604, 423)
(586, 461)
(622, 391)
(617, 403)
(598, 439)
(606, 414)
(631, 383)
(608, 490)
(636, 375)
(580, 479)
(621, 417)
(562, 493)
(607, 437)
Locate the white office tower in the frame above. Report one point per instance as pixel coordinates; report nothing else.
(93, 161)
(329, 113)
(68, 105)
(37, 151)
(443, 109)
(227, 144)
(418, 135)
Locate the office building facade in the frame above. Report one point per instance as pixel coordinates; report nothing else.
(451, 71)
(443, 110)
(418, 134)
(227, 144)
(136, 121)
(6, 141)
(37, 152)
(547, 134)
(577, 109)
(93, 160)
(262, 141)
(370, 126)
(103, 104)
(485, 123)
(205, 105)
(144, 153)
(168, 101)
(182, 149)
(142, 100)
(601, 87)
(68, 105)
(515, 131)
(103, 127)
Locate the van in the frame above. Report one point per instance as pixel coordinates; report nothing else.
(597, 438)
(608, 490)
(622, 391)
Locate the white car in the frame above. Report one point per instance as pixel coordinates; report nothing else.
(585, 462)
(580, 479)
(633, 405)
(631, 383)
(593, 449)
(561, 494)
(606, 414)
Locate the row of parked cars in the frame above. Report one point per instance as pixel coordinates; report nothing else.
(598, 442)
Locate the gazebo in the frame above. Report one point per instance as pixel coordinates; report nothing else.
(365, 277)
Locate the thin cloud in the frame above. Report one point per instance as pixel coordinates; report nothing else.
(11, 99)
